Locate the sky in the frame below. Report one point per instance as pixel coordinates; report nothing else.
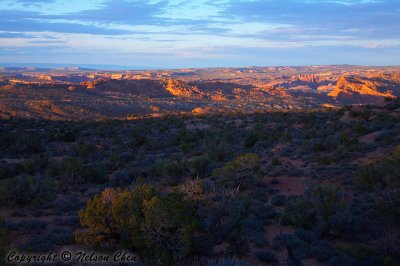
(200, 33)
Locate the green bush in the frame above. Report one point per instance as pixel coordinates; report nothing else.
(251, 139)
(200, 166)
(240, 171)
(219, 151)
(383, 174)
(156, 227)
(315, 207)
(382, 179)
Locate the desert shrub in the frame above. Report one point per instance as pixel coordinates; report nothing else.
(61, 134)
(241, 171)
(275, 162)
(366, 254)
(380, 175)
(382, 179)
(173, 167)
(318, 147)
(252, 225)
(68, 205)
(27, 144)
(200, 166)
(251, 139)
(278, 200)
(24, 190)
(73, 171)
(346, 222)
(83, 149)
(360, 128)
(115, 162)
(185, 137)
(327, 199)
(69, 169)
(93, 173)
(219, 151)
(342, 260)
(155, 226)
(298, 213)
(229, 219)
(121, 178)
(193, 189)
(40, 162)
(347, 139)
(139, 138)
(266, 256)
(315, 208)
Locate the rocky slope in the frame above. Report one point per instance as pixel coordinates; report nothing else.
(125, 97)
(353, 89)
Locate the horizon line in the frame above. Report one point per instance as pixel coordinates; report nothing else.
(106, 67)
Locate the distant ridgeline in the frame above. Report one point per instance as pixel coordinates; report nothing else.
(83, 94)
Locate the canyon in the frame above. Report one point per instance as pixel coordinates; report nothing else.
(76, 93)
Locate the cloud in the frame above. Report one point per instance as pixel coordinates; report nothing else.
(330, 17)
(33, 2)
(225, 32)
(133, 12)
(29, 21)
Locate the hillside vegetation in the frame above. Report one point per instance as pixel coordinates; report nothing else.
(314, 187)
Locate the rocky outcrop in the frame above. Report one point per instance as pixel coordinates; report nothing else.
(181, 89)
(352, 89)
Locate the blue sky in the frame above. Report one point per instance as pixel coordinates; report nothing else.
(200, 33)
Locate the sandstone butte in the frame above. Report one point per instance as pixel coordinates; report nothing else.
(179, 88)
(349, 85)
